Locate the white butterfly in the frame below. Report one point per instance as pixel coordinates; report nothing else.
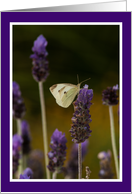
(65, 93)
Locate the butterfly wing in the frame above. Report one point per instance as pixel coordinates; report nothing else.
(67, 98)
(64, 93)
(54, 89)
(58, 89)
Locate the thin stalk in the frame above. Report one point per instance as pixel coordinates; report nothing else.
(113, 140)
(20, 160)
(54, 175)
(79, 161)
(19, 126)
(44, 127)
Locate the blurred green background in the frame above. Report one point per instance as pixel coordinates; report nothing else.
(91, 51)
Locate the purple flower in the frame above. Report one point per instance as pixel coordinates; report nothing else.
(109, 96)
(80, 129)
(35, 163)
(26, 137)
(40, 69)
(17, 143)
(58, 153)
(105, 165)
(18, 103)
(71, 169)
(16, 90)
(40, 46)
(28, 172)
(24, 176)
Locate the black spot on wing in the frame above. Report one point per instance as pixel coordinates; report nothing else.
(62, 89)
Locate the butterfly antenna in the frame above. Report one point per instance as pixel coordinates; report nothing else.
(85, 80)
(77, 78)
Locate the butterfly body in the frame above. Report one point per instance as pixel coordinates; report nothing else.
(64, 93)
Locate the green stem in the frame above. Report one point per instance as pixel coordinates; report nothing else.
(54, 175)
(79, 161)
(113, 140)
(20, 160)
(19, 126)
(44, 127)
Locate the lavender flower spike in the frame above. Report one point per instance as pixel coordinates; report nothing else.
(16, 90)
(18, 103)
(109, 96)
(58, 153)
(17, 143)
(80, 129)
(40, 70)
(26, 137)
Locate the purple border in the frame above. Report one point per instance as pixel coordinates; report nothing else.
(6, 18)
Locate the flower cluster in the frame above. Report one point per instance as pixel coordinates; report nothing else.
(80, 129)
(26, 137)
(105, 165)
(40, 70)
(28, 174)
(109, 96)
(35, 161)
(71, 169)
(58, 153)
(17, 143)
(18, 103)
